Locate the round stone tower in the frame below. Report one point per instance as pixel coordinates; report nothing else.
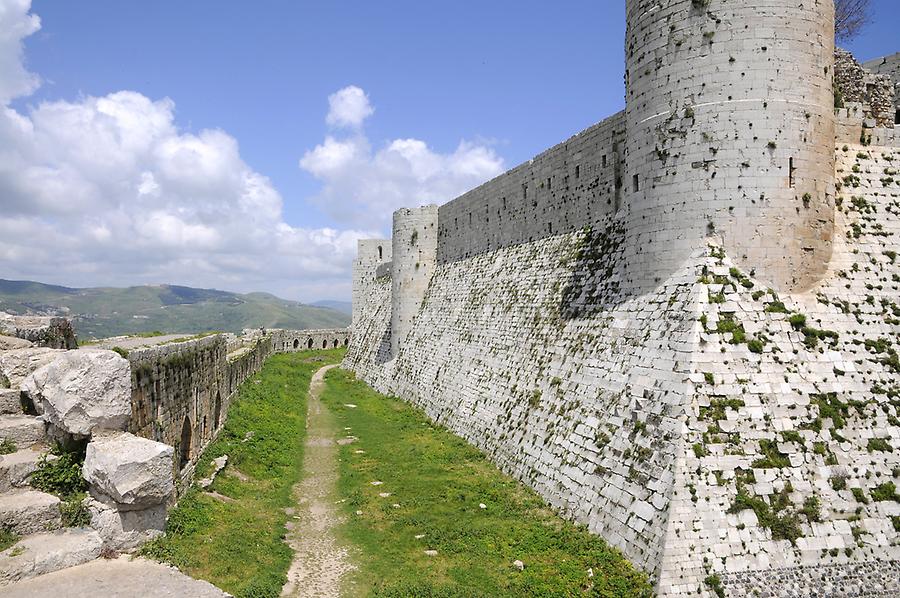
(414, 249)
(730, 117)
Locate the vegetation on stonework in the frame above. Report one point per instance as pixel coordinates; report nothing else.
(435, 485)
(237, 542)
(62, 477)
(7, 539)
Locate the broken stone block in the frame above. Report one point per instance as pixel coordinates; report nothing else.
(18, 364)
(125, 531)
(134, 473)
(44, 331)
(83, 391)
(8, 343)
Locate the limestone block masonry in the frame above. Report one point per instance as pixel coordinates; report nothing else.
(414, 252)
(680, 326)
(181, 392)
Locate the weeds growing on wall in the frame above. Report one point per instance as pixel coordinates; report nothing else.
(234, 538)
(62, 477)
(444, 495)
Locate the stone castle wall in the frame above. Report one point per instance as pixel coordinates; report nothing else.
(572, 185)
(864, 89)
(729, 111)
(680, 326)
(890, 67)
(181, 392)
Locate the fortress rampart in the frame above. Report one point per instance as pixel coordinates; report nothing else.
(680, 326)
(181, 392)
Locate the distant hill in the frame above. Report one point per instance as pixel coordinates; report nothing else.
(103, 312)
(344, 307)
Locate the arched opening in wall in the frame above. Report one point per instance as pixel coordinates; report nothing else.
(897, 118)
(324, 344)
(309, 343)
(380, 256)
(296, 343)
(334, 344)
(184, 449)
(217, 412)
(346, 341)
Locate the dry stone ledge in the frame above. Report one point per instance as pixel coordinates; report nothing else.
(45, 331)
(15, 468)
(132, 472)
(45, 553)
(29, 511)
(8, 343)
(125, 531)
(83, 391)
(22, 430)
(18, 364)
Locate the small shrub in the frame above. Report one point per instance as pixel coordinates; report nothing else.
(886, 491)
(74, 512)
(7, 538)
(838, 483)
(879, 444)
(121, 351)
(61, 476)
(859, 495)
(714, 583)
(7, 446)
(812, 509)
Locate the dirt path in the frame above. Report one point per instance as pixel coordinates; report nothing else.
(320, 560)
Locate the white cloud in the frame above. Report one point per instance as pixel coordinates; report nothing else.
(348, 107)
(107, 190)
(362, 186)
(15, 25)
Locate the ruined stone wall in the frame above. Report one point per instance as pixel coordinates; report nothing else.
(181, 392)
(890, 67)
(287, 341)
(567, 187)
(857, 86)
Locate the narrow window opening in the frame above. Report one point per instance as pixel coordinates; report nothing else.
(296, 344)
(346, 341)
(217, 412)
(524, 190)
(897, 118)
(470, 218)
(334, 344)
(636, 183)
(550, 228)
(379, 252)
(324, 344)
(549, 184)
(184, 450)
(578, 171)
(504, 199)
(309, 343)
(604, 160)
(791, 172)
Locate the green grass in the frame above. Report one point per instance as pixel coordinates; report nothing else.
(439, 481)
(7, 539)
(239, 545)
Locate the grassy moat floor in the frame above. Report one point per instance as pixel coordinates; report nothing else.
(425, 514)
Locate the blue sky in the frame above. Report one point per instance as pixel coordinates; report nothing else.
(505, 79)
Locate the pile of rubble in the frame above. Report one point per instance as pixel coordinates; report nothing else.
(54, 395)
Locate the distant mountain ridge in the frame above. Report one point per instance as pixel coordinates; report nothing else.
(344, 307)
(104, 311)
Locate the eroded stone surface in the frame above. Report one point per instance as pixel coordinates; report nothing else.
(83, 391)
(134, 473)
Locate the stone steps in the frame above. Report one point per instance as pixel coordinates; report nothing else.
(47, 552)
(26, 512)
(15, 468)
(23, 430)
(10, 402)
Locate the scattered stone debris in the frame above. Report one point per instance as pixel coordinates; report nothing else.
(218, 465)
